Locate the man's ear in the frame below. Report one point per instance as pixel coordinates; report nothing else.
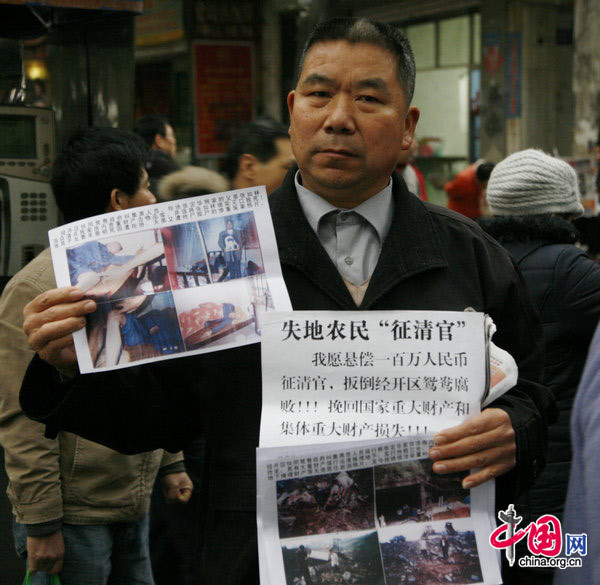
(247, 164)
(117, 201)
(410, 125)
(290, 102)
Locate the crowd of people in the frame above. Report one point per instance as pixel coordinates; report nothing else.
(351, 235)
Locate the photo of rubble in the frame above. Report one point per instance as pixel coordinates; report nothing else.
(411, 492)
(333, 559)
(333, 502)
(430, 554)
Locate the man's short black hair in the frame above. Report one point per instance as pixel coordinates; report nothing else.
(483, 171)
(94, 162)
(150, 125)
(363, 30)
(256, 138)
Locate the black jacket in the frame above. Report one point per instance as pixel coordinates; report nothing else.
(431, 259)
(564, 285)
(159, 165)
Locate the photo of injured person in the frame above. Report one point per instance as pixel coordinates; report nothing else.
(218, 315)
(120, 266)
(134, 328)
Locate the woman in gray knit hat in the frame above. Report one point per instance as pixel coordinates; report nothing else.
(533, 197)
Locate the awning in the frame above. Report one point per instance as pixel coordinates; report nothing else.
(22, 19)
(122, 5)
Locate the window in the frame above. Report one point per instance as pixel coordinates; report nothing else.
(449, 42)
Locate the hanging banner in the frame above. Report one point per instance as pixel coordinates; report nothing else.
(223, 93)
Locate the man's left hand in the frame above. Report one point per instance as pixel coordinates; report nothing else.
(177, 487)
(485, 442)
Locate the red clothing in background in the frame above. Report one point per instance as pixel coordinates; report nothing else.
(464, 193)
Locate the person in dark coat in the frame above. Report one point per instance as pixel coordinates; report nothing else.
(350, 117)
(533, 197)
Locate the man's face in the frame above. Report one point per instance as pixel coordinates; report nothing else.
(349, 121)
(168, 142)
(143, 196)
(272, 172)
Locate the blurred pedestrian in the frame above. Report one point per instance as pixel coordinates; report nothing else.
(582, 513)
(466, 192)
(413, 177)
(159, 135)
(81, 509)
(259, 154)
(533, 198)
(174, 532)
(191, 181)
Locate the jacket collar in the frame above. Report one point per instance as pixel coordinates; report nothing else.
(523, 235)
(412, 244)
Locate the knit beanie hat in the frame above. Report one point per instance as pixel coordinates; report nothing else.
(531, 182)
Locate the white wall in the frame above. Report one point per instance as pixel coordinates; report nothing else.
(442, 95)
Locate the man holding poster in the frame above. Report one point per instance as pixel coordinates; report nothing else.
(349, 236)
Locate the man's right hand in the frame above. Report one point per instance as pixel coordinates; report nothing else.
(45, 553)
(49, 321)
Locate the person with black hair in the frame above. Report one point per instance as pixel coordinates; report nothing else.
(466, 192)
(350, 236)
(81, 509)
(100, 170)
(159, 135)
(259, 154)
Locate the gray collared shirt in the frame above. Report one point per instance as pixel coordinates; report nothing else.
(351, 237)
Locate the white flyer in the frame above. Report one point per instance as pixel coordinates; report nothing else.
(370, 513)
(172, 279)
(364, 375)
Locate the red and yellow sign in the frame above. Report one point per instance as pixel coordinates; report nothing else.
(223, 93)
